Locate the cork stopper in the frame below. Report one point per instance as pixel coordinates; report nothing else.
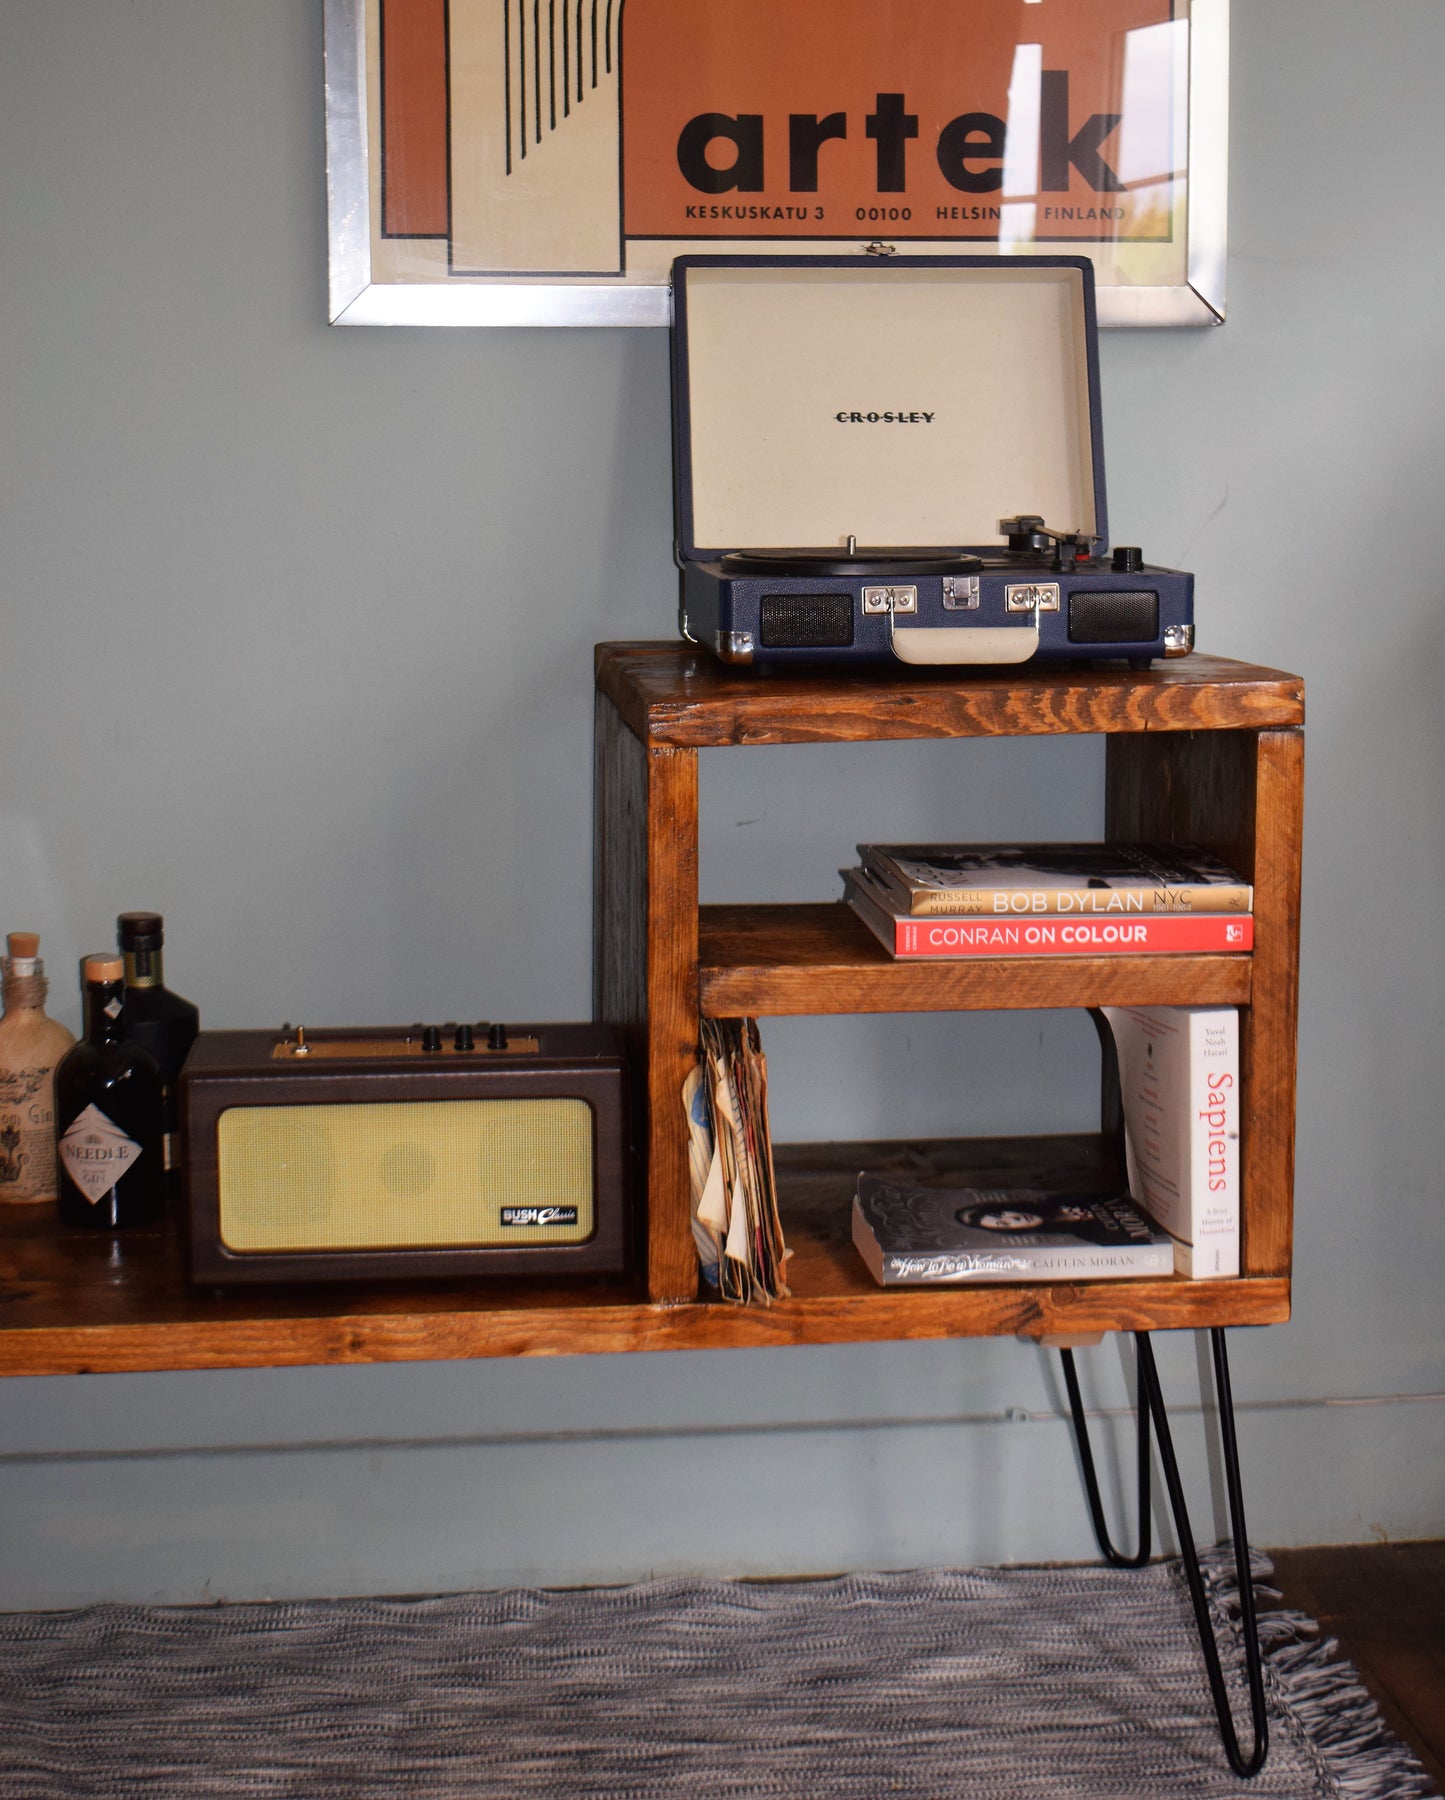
(104, 967)
(23, 945)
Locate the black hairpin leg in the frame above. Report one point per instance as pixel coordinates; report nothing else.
(1151, 1404)
(1091, 1480)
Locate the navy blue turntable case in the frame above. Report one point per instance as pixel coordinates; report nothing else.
(880, 458)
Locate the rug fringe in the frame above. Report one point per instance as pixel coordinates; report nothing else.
(1338, 1721)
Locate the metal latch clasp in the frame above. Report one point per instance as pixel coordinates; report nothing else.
(1031, 596)
(902, 599)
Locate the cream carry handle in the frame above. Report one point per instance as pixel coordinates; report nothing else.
(962, 644)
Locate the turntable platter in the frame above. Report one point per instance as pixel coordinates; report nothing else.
(871, 565)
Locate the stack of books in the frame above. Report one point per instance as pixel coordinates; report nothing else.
(989, 900)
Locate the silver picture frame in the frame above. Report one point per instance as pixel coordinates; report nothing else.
(359, 296)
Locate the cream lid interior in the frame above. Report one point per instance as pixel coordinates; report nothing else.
(791, 373)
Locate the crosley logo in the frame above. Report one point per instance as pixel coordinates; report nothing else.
(884, 418)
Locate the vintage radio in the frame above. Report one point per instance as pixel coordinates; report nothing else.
(901, 457)
(471, 1149)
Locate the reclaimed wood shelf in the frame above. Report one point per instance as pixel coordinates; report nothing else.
(1202, 750)
(815, 959)
(73, 1303)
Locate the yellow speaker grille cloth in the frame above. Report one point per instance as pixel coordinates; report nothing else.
(405, 1173)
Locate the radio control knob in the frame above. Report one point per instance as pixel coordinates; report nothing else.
(431, 1039)
(464, 1039)
(497, 1038)
(1128, 559)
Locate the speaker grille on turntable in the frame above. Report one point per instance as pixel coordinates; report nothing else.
(404, 1173)
(1121, 618)
(806, 621)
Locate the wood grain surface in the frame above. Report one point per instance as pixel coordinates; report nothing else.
(820, 958)
(645, 968)
(672, 694)
(75, 1302)
(1385, 1606)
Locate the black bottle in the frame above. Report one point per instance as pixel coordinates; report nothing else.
(157, 1019)
(108, 1119)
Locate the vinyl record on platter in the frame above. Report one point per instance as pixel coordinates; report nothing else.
(869, 564)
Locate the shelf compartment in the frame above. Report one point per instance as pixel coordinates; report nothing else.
(839, 1300)
(820, 958)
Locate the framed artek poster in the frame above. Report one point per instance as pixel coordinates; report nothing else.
(534, 162)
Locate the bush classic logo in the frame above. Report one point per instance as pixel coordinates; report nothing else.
(539, 1215)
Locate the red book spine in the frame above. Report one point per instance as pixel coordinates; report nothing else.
(1058, 936)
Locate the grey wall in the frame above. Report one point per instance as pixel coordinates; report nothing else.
(297, 648)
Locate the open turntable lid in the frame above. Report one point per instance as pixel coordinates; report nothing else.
(909, 402)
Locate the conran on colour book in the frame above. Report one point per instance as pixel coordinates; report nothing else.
(1108, 880)
(955, 1236)
(906, 935)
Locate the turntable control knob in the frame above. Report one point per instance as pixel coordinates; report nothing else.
(1128, 559)
(431, 1039)
(497, 1038)
(464, 1039)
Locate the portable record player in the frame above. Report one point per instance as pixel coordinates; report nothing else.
(902, 457)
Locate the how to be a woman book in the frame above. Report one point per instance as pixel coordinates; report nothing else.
(955, 1236)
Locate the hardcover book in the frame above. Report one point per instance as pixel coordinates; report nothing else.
(1179, 1084)
(908, 935)
(939, 1236)
(1093, 880)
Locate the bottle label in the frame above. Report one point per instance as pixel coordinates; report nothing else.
(27, 1135)
(96, 1153)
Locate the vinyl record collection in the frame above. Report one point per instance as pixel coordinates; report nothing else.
(730, 1158)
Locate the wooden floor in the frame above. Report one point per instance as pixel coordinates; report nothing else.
(1386, 1605)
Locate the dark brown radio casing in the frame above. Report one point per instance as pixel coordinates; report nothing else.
(364, 1155)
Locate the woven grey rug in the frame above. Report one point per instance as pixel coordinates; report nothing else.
(994, 1684)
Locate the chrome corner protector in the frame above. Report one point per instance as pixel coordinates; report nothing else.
(734, 646)
(1178, 640)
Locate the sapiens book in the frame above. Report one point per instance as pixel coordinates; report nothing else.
(906, 935)
(1090, 880)
(1179, 1085)
(908, 1234)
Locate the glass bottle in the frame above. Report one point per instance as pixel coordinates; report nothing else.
(108, 1117)
(31, 1044)
(157, 1019)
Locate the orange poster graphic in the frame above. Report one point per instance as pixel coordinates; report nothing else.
(595, 140)
(934, 119)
